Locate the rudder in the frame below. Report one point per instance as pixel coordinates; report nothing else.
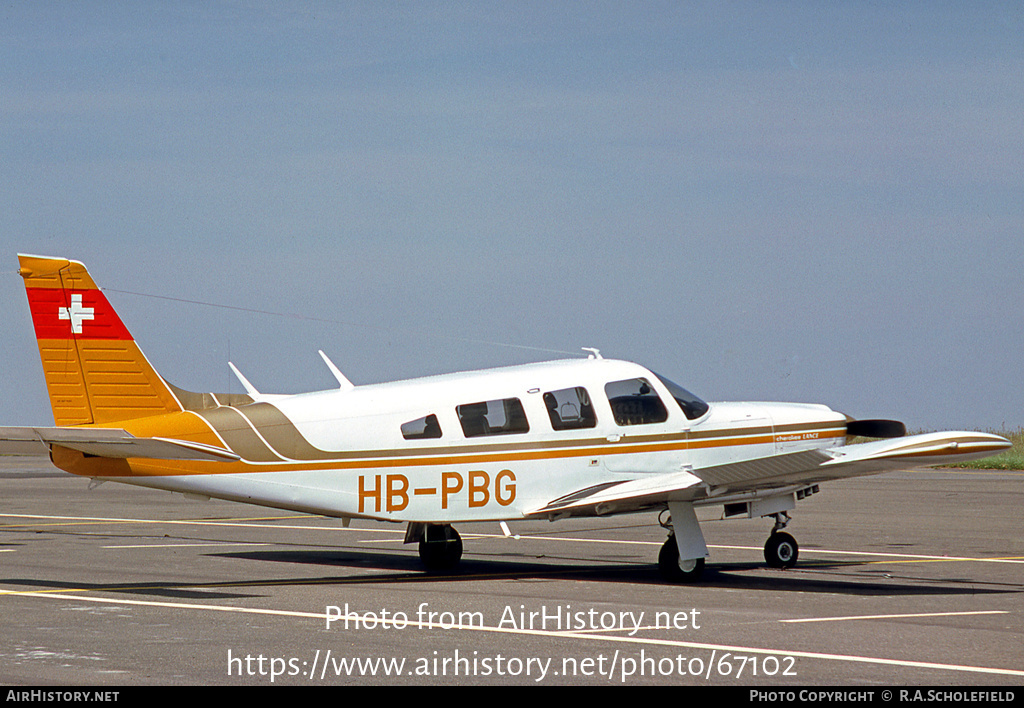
(95, 373)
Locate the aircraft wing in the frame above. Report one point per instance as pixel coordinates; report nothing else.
(107, 442)
(618, 497)
(778, 474)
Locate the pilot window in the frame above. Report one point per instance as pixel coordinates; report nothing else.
(499, 417)
(693, 407)
(422, 428)
(635, 402)
(570, 409)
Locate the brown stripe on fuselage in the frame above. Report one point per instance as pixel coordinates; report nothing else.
(238, 435)
(281, 433)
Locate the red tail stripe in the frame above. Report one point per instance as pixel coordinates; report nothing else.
(88, 309)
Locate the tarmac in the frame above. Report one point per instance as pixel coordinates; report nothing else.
(904, 579)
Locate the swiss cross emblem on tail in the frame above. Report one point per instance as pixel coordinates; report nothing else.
(85, 314)
(77, 313)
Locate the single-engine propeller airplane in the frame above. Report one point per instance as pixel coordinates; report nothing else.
(585, 437)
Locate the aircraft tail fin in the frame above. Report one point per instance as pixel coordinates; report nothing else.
(95, 372)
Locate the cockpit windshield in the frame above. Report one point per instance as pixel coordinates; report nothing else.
(693, 407)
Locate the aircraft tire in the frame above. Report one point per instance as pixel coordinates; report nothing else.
(781, 550)
(440, 547)
(675, 571)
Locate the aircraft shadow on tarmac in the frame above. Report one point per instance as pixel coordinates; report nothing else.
(811, 577)
(368, 566)
(402, 568)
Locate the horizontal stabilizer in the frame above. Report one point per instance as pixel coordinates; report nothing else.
(108, 442)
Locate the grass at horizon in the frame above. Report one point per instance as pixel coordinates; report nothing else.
(1012, 459)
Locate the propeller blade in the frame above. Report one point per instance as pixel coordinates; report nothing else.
(876, 428)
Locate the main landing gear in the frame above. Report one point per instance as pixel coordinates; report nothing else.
(675, 570)
(440, 547)
(684, 535)
(780, 551)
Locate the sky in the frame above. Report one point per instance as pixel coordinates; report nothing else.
(814, 202)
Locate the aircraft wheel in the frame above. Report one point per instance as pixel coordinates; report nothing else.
(440, 547)
(781, 550)
(674, 570)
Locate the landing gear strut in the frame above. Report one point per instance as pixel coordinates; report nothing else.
(781, 549)
(683, 533)
(440, 547)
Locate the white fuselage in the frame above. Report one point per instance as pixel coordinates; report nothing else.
(346, 453)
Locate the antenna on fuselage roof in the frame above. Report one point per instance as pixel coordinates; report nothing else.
(343, 383)
(249, 388)
(594, 352)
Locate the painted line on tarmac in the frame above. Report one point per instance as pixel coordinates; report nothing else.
(740, 650)
(246, 544)
(907, 557)
(902, 616)
(240, 523)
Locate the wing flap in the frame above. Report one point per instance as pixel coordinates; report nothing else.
(108, 442)
(754, 473)
(619, 497)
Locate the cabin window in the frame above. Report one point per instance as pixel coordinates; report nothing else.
(499, 417)
(635, 402)
(693, 407)
(422, 428)
(570, 408)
